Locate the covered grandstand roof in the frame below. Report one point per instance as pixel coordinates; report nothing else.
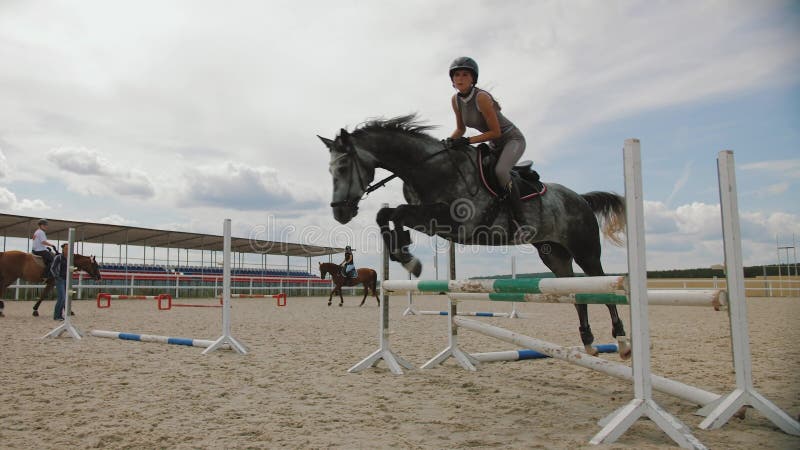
(24, 226)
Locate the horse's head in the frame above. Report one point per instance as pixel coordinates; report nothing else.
(351, 176)
(87, 264)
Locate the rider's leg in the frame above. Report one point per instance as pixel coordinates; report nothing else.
(509, 156)
(47, 259)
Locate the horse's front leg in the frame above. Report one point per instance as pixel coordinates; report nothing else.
(423, 218)
(341, 299)
(331, 295)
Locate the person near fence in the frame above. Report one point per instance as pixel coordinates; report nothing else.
(59, 272)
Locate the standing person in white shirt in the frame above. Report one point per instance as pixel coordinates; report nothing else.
(40, 244)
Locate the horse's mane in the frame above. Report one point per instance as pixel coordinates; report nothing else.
(409, 123)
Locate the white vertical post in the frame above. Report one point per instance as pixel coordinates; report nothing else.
(745, 393)
(226, 337)
(642, 404)
(435, 257)
(80, 285)
(67, 326)
(410, 310)
(514, 314)
(464, 359)
(384, 352)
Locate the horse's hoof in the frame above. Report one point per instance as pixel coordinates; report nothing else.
(624, 348)
(1, 314)
(72, 313)
(35, 313)
(591, 351)
(413, 266)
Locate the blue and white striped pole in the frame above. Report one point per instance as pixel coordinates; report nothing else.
(152, 338)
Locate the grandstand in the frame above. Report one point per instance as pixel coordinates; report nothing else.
(132, 259)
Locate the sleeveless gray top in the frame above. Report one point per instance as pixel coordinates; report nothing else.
(472, 117)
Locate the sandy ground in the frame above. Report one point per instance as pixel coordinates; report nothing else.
(293, 389)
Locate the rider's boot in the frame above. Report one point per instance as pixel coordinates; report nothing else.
(517, 221)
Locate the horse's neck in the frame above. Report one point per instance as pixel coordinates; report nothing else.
(413, 159)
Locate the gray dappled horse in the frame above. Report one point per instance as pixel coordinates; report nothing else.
(446, 196)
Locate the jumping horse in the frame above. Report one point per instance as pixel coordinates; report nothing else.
(15, 264)
(446, 195)
(367, 277)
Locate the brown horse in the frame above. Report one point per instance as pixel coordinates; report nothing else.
(367, 277)
(15, 264)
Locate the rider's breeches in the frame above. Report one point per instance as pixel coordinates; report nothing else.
(511, 153)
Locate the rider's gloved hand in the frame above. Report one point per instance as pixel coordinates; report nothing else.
(456, 143)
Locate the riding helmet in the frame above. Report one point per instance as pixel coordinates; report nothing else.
(465, 62)
(347, 249)
(42, 222)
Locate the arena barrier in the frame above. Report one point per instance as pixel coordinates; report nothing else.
(280, 298)
(107, 297)
(718, 409)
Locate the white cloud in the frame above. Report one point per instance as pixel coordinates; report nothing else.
(243, 187)
(92, 174)
(789, 168)
(3, 165)
(9, 202)
(81, 161)
(698, 220)
(116, 219)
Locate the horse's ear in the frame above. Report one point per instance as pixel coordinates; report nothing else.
(344, 139)
(328, 142)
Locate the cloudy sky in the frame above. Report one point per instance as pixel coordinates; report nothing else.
(176, 115)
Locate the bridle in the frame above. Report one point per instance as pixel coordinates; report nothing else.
(353, 203)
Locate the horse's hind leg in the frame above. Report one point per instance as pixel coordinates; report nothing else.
(559, 261)
(366, 291)
(591, 266)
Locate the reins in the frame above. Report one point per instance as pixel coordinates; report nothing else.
(372, 187)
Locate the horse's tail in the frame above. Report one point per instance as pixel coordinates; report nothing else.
(609, 208)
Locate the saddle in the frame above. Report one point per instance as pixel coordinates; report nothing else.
(39, 261)
(522, 175)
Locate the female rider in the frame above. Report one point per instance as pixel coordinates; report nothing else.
(348, 267)
(476, 108)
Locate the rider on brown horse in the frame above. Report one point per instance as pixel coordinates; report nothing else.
(348, 266)
(40, 246)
